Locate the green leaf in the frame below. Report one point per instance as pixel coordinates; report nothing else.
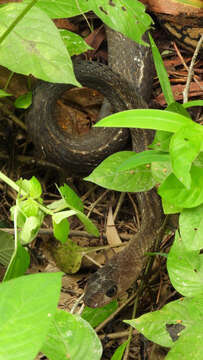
(186, 314)
(160, 171)
(185, 145)
(58, 217)
(143, 158)
(29, 50)
(162, 73)
(71, 198)
(32, 187)
(70, 336)
(191, 228)
(178, 108)
(193, 103)
(62, 8)
(4, 94)
(161, 141)
(28, 207)
(185, 268)
(30, 229)
(24, 101)
(173, 191)
(6, 247)
(74, 203)
(108, 175)
(19, 264)
(127, 17)
(146, 119)
(27, 305)
(68, 256)
(118, 355)
(61, 230)
(73, 42)
(97, 316)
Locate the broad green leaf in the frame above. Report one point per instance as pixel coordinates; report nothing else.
(32, 187)
(97, 316)
(6, 247)
(184, 147)
(19, 264)
(108, 175)
(161, 141)
(126, 16)
(186, 314)
(61, 229)
(143, 158)
(24, 101)
(27, 305)
(4, 94)
(74, 203)
(30, 229)
(74, 43)
(191, 228)
(28, 207)
(170, 208)
(62, 8)
(173, 191)
(146, 119)
(29, 50)
(185, 268)
(162, 73)
(71, 337)
(118, 355)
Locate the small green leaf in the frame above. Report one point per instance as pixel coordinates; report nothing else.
(118, 355)
(71, 337)
(68, 256)
(30, 229)
(27, 306)
(71, 198)
(178, 109)
(193, 103)
(191, 228)
(108, 174)
(162, 73)
(61, 230)
(32, 187)
(73, 42)
(58, 217)
(97, 316)
(24, 101)
(18, 265)
(185, 268)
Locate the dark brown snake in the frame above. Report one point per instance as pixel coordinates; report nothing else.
(125, 88)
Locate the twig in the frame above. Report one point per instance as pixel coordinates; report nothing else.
(190, 72)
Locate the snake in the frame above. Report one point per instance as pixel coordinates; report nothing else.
(125, 267)
(126, 83)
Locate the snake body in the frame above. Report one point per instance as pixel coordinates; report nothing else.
(133, 62)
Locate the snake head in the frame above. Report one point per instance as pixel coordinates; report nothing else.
(101, 288)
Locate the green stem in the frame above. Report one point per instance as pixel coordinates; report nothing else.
(17, 20)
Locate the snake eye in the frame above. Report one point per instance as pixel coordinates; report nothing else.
(112, 291)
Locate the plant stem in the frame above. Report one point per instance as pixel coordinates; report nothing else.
(17, 20)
